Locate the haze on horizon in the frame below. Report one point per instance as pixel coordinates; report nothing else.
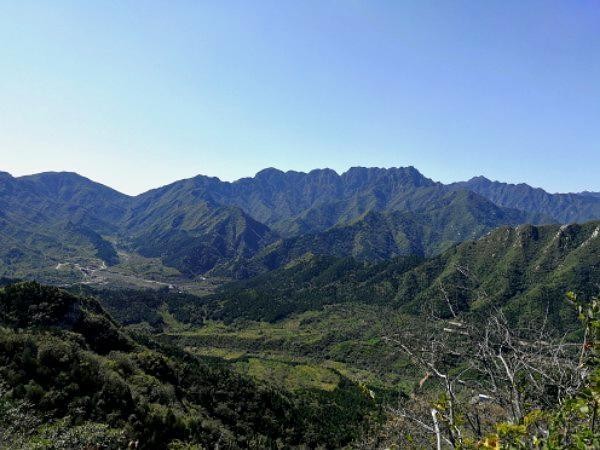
(138, 95)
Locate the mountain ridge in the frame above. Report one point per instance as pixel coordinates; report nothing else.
(377, 236)
(563, 207)
(201, 224)
(274, 170)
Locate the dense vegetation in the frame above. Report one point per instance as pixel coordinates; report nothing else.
(67, 368)
(135, 306)
(365, 303)
(378, 236)
(70, 374)
(330, 316)
(525, 270)
(317, 317)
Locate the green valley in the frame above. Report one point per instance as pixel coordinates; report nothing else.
(186, 322)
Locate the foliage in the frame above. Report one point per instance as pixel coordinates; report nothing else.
(573, 423)
(524, 269)
(307, 284)
(464, 411)
(376, 236)
(82, 373)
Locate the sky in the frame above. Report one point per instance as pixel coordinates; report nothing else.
(137, 94)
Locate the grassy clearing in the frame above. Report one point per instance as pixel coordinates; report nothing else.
(311, 349)
(290, 376)
(217, 352)
(137, 265)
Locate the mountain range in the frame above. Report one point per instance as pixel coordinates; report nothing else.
(304, 282)
(203, 225)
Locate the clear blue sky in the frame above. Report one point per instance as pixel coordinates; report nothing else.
(138, 94)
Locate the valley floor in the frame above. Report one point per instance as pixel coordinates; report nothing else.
(309, 350)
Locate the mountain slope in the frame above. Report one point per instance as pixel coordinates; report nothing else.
(526, 270)
(83, 201)
(50, 219)
(295, 202)
(69, 376)
(188, 230)
(47, 218)
(203, 224)
(563, 208)
(376, 236)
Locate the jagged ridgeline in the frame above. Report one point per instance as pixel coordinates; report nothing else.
(59, 227)
(70, 377)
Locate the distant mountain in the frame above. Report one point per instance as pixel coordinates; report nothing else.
(376, 236)
(590, 194)
(47, 218)
(294, 203)
(190, 231)
(562, 208)
(52, 218)
(202, 224)
(76, 198)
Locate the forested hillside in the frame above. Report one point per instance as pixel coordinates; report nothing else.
(376, 236)
(61, 227)
(525, 270)
(71, 377)
(294, 203)
(562, 208)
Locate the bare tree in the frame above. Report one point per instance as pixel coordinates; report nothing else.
(488, 370)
